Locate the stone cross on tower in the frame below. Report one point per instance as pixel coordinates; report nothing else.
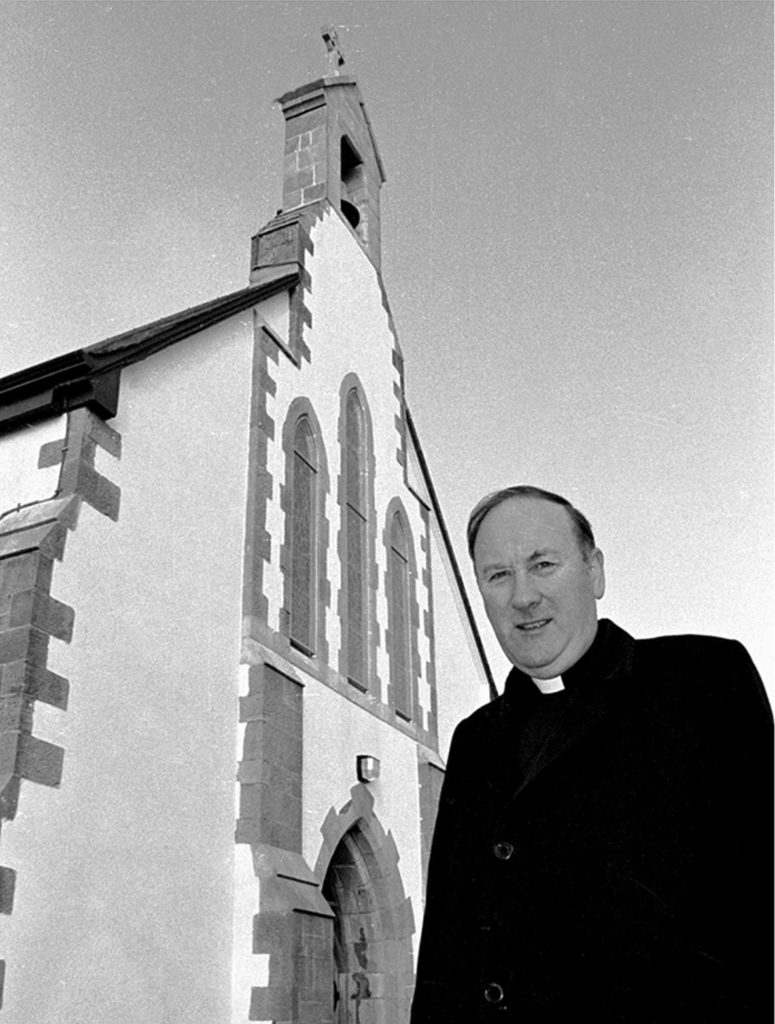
(335, 55)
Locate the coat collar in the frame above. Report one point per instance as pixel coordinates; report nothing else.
(593, 690)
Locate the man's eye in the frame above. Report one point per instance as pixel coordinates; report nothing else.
(545, 565)
(499, 574)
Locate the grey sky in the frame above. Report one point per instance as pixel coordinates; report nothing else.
(576, 230)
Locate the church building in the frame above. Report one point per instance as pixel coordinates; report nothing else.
(234, 639)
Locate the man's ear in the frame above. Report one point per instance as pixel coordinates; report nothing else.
(597, 572)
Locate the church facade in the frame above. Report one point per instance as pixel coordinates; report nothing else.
(234, 641)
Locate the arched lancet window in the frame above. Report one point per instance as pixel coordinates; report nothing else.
(303, 570)
(356, 625)
(399, 623)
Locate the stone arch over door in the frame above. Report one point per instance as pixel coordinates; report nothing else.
(374, 923)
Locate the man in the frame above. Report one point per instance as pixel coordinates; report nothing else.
(601, 851)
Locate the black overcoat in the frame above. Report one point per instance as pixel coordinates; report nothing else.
(628, 876)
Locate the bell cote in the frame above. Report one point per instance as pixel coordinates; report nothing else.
(331, 153)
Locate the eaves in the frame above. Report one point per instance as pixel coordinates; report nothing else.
(90, 376)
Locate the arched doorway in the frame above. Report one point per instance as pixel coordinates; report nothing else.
(357, 946)
(373, 922)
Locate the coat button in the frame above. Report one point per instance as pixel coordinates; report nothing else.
(503, 851)
(493, 993)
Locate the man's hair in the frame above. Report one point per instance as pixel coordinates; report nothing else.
(579, 521)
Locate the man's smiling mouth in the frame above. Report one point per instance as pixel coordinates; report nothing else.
(528, 627)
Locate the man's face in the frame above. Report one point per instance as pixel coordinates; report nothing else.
(539, 591)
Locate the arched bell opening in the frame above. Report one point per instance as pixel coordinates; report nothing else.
(352, 186)
(351, 213)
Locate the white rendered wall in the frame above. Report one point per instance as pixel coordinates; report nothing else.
(123, 909)
(335, 732)
(349, 334)
(21, 482)
(461, 685)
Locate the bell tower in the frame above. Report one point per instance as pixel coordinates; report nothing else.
(331, 153)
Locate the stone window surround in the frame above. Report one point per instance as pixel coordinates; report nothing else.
(396, 507)
(302, 407)
(354, 525)
(351, 382)
(261, 642)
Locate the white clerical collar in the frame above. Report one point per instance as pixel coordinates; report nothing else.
(550, 685)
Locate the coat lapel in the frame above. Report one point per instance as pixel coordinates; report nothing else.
(595, 691)
(578, 718)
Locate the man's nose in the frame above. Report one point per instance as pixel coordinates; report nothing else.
(524, 592)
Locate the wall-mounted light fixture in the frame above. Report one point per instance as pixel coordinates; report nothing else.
(366, 768)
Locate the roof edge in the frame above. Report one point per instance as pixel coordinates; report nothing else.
(90, 375)
(451, 553)
(317, 85)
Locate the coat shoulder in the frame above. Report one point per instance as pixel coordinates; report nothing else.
(483, 718)
(692, 651)
(709, 669)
